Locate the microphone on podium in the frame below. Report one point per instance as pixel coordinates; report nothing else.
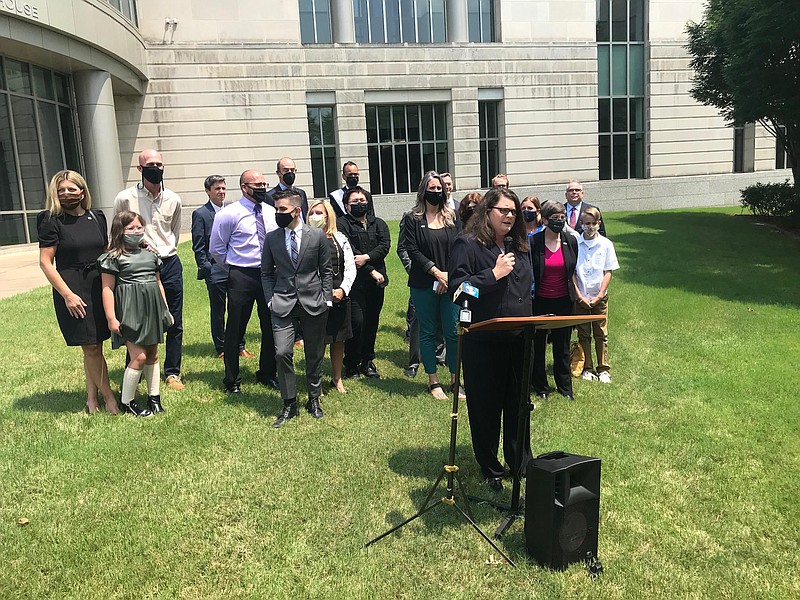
(464, 292)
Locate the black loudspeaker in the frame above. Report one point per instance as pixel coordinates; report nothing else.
(562, 508)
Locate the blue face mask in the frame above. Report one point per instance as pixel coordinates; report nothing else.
(529, 215)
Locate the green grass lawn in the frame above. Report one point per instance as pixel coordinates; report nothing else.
(698, 435)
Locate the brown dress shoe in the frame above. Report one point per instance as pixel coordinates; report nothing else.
(245, 353)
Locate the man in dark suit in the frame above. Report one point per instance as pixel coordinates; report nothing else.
(215, 276)
(350, 178)
(576, 206)
(286, 171)
(296, 276)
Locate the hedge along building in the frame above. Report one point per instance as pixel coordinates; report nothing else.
(542, 90)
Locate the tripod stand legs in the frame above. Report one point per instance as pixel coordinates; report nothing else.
(450, 501)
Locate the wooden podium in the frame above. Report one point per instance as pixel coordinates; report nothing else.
(527, 326)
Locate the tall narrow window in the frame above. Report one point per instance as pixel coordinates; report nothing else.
(322, 143)
(620, 88)
(480, 18)
(781, 160)
(403, 142)
(738, 149)
(399, 21)
(489, 140)
(38, 137)
(315, 22)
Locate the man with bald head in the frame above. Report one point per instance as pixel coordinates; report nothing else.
(286, 171)
(160, 209)
(237, 243)
(575, 207)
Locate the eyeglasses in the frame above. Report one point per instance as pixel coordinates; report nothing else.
(506, 211)
(575, 190)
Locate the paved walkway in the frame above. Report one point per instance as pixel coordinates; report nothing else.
(20, 272)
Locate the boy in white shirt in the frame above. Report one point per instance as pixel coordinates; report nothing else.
(596, 260)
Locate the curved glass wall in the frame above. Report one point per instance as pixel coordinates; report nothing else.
(38, 136)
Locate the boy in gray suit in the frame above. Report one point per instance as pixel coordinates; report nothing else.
(296, 276)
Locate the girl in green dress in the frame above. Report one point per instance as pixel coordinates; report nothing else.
(135, 308)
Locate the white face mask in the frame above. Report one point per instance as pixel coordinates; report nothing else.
(316, 220)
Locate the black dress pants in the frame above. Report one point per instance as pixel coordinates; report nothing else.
(560, 339)
(366, 303)
(493, 370)
(172, 279)
(244, 288)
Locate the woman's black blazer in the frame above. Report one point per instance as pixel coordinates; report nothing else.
(415, 240)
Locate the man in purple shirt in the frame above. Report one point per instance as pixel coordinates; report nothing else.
(237, 242)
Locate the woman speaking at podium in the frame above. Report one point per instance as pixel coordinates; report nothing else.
(492, 255)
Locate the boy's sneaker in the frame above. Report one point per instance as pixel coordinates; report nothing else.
(604, 377)
(589, 376)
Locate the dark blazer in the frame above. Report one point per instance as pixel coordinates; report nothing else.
(300, 191)
(336, 196)
(569, 248)
(579, 224)
(415, 241)
(373, 240)
(309, 284)
(207, 267)
(473, 262)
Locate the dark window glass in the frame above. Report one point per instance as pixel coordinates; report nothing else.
(315, 21)
(18, 77)
(620, 156)
(738, 149)
(322, 143)
(407, 21)
(489, 128)
(33, 232)
(62, 88)
(28, 151)
(12, 230)
(620, 114)
(637, 114)
(438, 22)
(423, 22)
(68, 135)
(637, 20)
(323, 22)
(480, 20)
(392, 21)
(605, 156)
(604, 70)
(637, 155)
(361, 21)
(397, 158)
(50, 137)
(603, 21)
(9, 186)
(43, 83)
(780, 152)
(619, 20)
(604, 115)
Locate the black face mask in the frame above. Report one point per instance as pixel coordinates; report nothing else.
(258, 194)
(288, 179)
(153, 174)
(358, 210)
(284, 219)
(434, 198)
(352, 181)
(556, 225)
(529, 215)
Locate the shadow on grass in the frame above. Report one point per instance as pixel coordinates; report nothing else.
(53, 401)
(709, 253)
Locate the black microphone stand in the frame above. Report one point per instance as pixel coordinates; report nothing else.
(450, 470)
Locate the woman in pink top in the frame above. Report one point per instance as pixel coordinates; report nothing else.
(554, 255)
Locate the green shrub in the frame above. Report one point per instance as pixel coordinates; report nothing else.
(771, 199)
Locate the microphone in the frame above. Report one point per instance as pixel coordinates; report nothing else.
(464, 292)
(508, 244)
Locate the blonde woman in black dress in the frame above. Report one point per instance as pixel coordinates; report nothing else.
(71, 237)
(343, 266)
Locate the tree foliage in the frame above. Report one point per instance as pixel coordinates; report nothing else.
(746, 58)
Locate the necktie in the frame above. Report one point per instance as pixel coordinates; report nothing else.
(293, 247)
(261, 230)
(573, 217)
